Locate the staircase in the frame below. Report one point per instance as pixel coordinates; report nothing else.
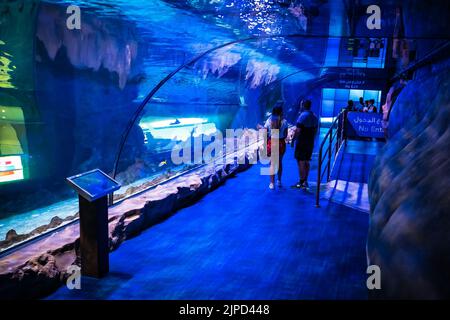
(349, 178)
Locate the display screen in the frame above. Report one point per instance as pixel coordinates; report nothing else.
(11, 169)
(94, 184)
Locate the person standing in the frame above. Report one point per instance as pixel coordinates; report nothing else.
(372, 107)
(350, 106)
(305, 133)
(361, 105)
(277, 129)
(366, 107)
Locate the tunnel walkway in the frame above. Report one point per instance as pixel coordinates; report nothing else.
(242, 241)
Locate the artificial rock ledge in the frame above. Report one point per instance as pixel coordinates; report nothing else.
(39, 268)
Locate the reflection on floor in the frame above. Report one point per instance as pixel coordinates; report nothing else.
(242, 241)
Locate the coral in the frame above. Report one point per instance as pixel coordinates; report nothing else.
(261, 72)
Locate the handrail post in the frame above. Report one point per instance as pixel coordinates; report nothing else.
(344, 115)
(330, 150)
(344, 128)
(340, 135)
(319, 170)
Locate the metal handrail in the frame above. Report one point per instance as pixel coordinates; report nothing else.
(338, 126)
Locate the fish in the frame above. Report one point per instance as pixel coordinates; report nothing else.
(162, 163)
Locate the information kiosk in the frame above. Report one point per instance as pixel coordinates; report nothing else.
(93, 188)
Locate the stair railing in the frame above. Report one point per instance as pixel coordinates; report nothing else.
(336, 138)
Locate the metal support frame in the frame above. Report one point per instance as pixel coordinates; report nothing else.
(335, 133)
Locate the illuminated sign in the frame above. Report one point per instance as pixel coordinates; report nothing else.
(11, 169)
(367, 125)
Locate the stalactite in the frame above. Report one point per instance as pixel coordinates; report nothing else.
(99, 43)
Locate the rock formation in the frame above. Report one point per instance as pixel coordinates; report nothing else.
(99, 42)
(410, 192)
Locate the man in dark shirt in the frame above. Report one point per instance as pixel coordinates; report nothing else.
(350, 106)
(307, 126)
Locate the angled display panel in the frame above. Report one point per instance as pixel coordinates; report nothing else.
(93, 185)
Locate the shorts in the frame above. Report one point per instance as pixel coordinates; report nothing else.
(282, 144)
(304, 151)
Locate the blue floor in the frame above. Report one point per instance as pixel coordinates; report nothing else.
(355, 164)
(353, 167)
(350, 175)
(242, 241)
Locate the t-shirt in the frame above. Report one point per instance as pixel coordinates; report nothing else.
(308, 124)
(283, 128)
(307, 119)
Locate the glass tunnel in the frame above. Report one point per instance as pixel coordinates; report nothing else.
(136, 79)
(77, 104)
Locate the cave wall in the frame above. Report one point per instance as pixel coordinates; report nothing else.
(409, 186)
(410, 192)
